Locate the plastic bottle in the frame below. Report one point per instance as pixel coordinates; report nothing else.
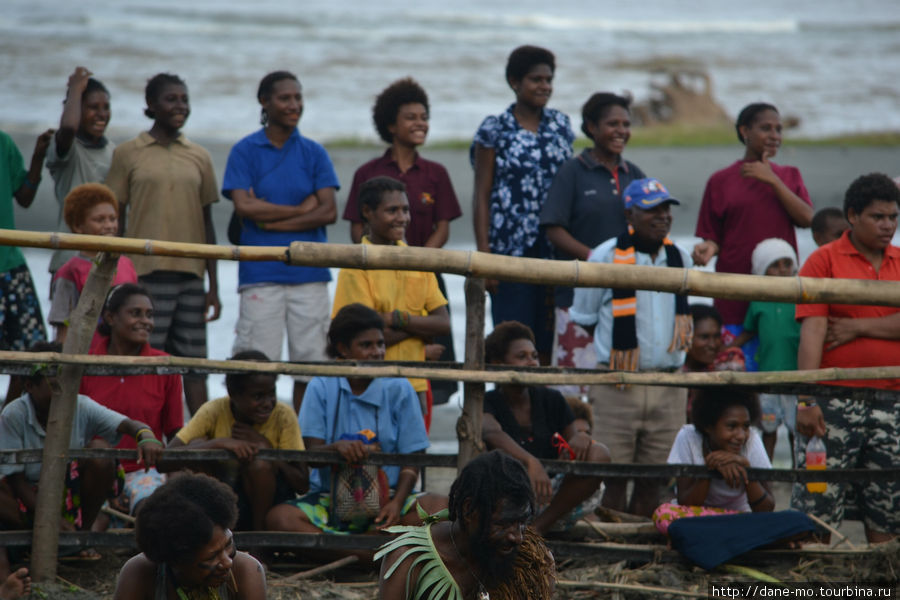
(815, 461)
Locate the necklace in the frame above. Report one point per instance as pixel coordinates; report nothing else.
(482, 592)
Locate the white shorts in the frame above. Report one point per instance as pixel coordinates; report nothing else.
(267, 311)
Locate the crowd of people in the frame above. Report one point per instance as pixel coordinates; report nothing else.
(532, 198)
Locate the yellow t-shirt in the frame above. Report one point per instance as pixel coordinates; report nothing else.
(416, 292)
(215, 420)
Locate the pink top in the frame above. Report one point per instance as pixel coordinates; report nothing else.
(69, 280)
(738, 213)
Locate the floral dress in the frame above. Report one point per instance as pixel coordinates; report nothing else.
(524, 165)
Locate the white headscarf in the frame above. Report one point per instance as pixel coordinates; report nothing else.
(769, 251)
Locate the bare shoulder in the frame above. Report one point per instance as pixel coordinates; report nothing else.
(136, 579)
(250, 577)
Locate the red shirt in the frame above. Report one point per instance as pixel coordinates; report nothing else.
(739, 212)
(841, 260)
(428, 188)
(152, 399)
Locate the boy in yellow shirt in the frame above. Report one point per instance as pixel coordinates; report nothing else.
(409, 302)
(248, 419)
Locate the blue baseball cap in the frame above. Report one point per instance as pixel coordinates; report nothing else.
(646, 194)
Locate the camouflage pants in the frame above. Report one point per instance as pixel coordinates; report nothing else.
(861, 434)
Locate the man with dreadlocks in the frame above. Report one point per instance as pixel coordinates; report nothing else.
(643, 330)
(481, 548)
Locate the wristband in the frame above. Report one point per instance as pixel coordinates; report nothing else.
(149, 441)
(802, 404)
(32, 184)
(760, 499)
(137, 435)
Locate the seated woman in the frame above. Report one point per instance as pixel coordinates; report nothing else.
(127, 320)
(524, 422)
(183, 531)
(247, 419)
(337, 406)
(720, 438)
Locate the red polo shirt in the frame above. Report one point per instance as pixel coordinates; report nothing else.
(428, 188)
(841, 260)
(152, 399)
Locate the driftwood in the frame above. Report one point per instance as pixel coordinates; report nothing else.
(800, 290)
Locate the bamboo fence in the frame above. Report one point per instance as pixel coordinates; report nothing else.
(475, 266)
(798, 290)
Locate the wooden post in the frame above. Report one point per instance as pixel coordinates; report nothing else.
(468, 427)
(83, 322)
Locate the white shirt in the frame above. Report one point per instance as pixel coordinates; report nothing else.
(688, 450)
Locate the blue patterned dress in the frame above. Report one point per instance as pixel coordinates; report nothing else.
(524, 165)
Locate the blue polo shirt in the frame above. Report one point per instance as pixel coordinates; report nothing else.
(285, 175)
(389, 407)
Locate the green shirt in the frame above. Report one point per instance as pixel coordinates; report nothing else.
(12, 174)
(779, 334)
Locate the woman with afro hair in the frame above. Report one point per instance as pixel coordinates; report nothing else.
(187, 549)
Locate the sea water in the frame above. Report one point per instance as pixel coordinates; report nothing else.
(830, 63)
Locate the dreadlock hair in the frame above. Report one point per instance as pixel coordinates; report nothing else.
(155, 87)
(710, 403)
(867, 189)
(486, 481)
(373, 190)
(264, 91)
(525, 58)
(115, 299)
(388, 103)
(598, 105)
(235, 383)
(748, 116)
(349, 322)
(497, 343)
(178, 518)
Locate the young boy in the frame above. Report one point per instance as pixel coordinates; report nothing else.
(779, 337)
(89, 209)
(828, 225)
(248, 419)
(412, 306)
(23, 424)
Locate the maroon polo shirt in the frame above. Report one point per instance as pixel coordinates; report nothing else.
(739, 212)
(428, 187)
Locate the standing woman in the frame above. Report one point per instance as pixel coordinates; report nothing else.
(165, 185)
(79, 151)
(584, 208)
(751, 200)
(282, 185)
(515, 156)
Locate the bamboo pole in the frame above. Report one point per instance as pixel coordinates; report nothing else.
(797, 290)
(506, 375)
(59, 421)
(468, 427)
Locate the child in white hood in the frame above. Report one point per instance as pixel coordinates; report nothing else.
(779, 337)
